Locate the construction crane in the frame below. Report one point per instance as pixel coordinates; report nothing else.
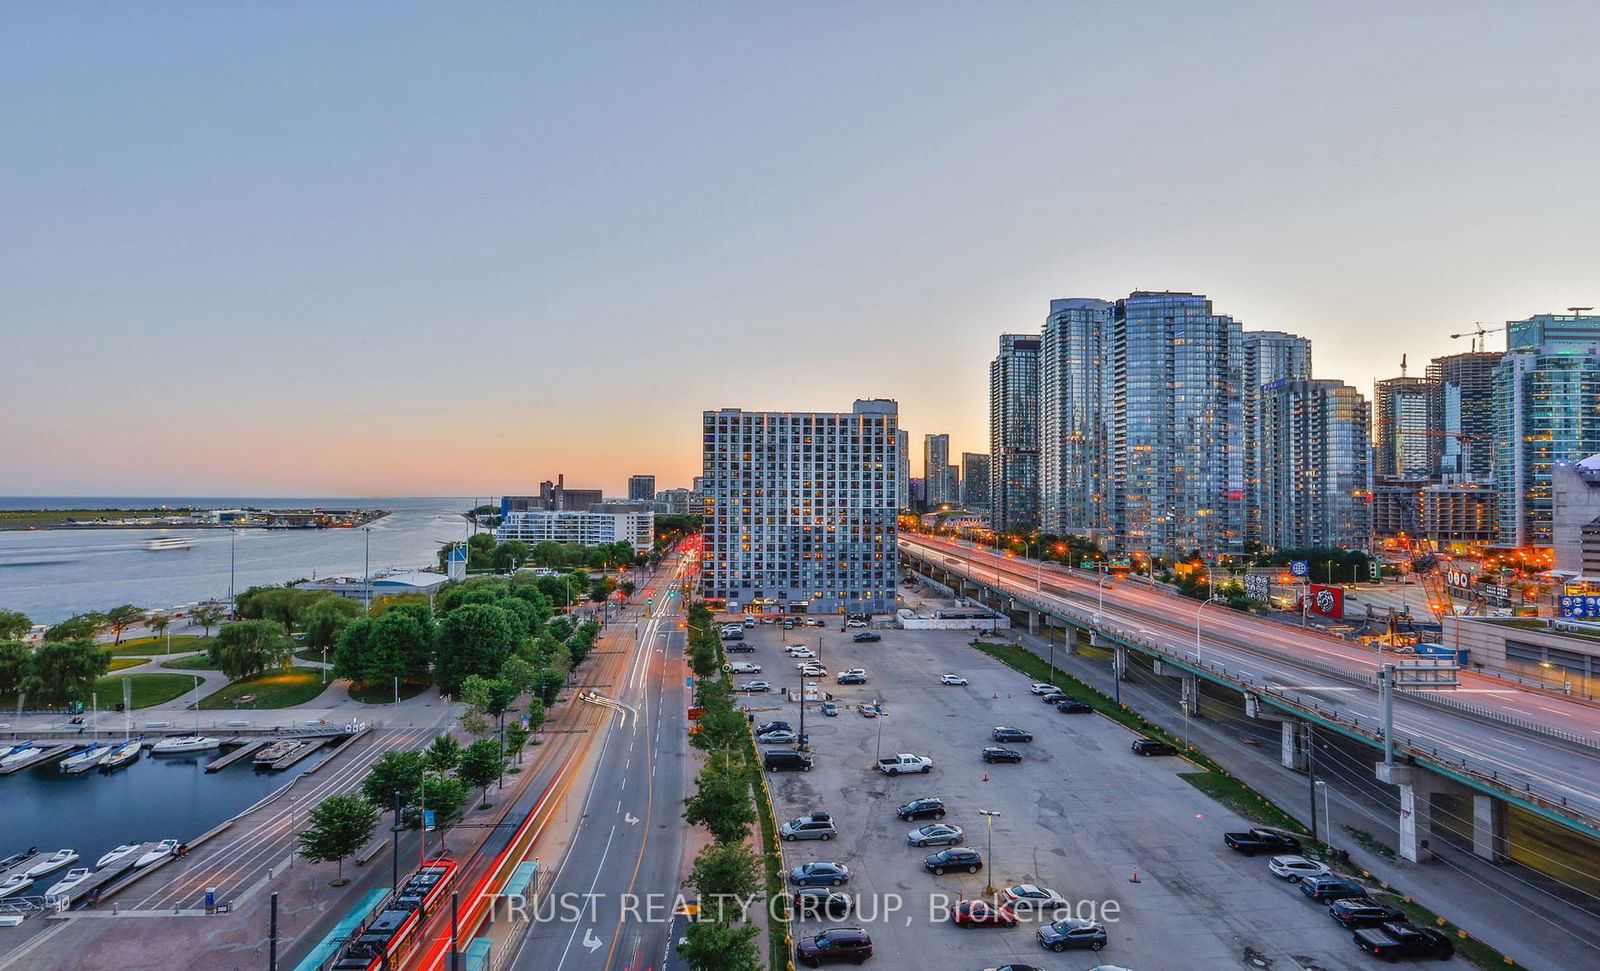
(1479, 335)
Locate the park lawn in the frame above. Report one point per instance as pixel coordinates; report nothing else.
(194, 662)
(313, 654)
(383, 694)
(181, 644)
(272, 689)
(118, 663)
(148, 689)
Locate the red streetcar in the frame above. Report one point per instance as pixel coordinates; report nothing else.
(387, 938)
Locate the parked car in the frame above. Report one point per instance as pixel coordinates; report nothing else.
(1028, 895)
(996, 754)
(1398, 939)
(1040, 688)
(836, 945)
(811, 669)
(755, 687)
(866, 637)
(860, 671)
(1020, 967)
(800, 651)
(830, 709)
(855, 623)
(817, 826)
(1355, 912)
(785, 760)
(954, 858)
(769, 620)
(1295, 868)
(766, 727)
(851, 677)
(979, 913)
(740, 648)
(744, 667)
(928, 807)
(822, 902)
(935, 834)
(1004, 734)
(1149, 746)
(1255, 841)
(782, 736)
(1072, 932)
(903, 763)
(1055, 698)
(820, 873)
(955, 679)
(869, 709)
(749, 621)
(1325, 890)
(1072, 706)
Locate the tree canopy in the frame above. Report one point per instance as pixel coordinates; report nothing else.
(249, 647)
(473, 639)
(14, 626)
(59, 672)
(340, 825)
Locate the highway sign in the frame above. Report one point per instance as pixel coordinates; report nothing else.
(427, 820)
(1300, 568)
(1578, 606)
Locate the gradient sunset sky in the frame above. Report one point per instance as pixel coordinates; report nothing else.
(454, 249)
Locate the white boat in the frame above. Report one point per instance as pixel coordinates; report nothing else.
(14, 884)
(85, 760)
(21, 753)
(53, 862)
(276, 751)
(185, 743)
(68, 883)
(166, 849)
(117, 855)
(122, 754)
(169, 543)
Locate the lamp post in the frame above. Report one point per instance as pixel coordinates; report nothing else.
(233, 537)
(366, 574)
(988, 818)
(1099, 612)
(1199, 662)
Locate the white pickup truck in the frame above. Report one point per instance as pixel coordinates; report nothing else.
(903, 763)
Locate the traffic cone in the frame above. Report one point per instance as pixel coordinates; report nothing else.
(986, 777)
(1135, 877)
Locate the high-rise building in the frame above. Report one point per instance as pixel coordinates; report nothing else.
(1315, 448)
(641, 487)
(902, 489)
(801, 509)
(1547, 410)
(975, 480)
(1576, 522)
(1073, 438)
(935, 459)
(1467, 385)
(1175, 451)
(1269, 356)
(588, 528)
(1014, 432)
(1409, 428)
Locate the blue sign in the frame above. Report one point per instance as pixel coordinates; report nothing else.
(427, 820)
(1300, 568)
(1586, 605)
(688, 682)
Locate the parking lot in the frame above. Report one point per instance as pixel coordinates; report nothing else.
(1079, 815)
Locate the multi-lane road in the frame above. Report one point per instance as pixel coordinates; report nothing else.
(1295, 662)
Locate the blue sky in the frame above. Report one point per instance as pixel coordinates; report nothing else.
(454, 249)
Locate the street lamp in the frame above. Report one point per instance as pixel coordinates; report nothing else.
(1195, 700)
(1209, 601)
(988, 818)
(366, 577)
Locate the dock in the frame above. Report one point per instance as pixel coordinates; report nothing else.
(40, 756)
(305, 749)
(247, 749)
(91, 888)
(23, 864)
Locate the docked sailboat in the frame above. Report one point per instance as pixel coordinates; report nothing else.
(52, 863)
(85, 759)
(180, 744)
(276, 751)
(14, 884)
(68, 883)
(20, 753)
(122, 754)
(117, 855)
(161, 852)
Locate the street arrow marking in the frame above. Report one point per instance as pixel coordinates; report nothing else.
(630, 818)
(590, 941)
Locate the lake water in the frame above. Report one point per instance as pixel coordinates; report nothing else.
(51, 574)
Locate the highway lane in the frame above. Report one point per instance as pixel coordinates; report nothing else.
(1268, 652)
(609, 904)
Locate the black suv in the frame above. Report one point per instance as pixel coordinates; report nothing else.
(821, 902)
(836, 945)
(1071, 932)
(997, 754)
(1398, 940)
(927, 808)
(785, 760)
(1356, 912)
(867, 637)
(1003, 734)
(766, 727)
(1325, 890)
(1073, 706)
(1149, 746)
(954, 858)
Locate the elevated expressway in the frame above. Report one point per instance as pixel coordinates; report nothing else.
(1498, 742)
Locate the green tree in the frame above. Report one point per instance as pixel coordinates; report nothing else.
(627, 587)
(396, 645)
(288, 605)
(472, 639)
(382, 605)
(491, 696)
(445, 795)
(721, 801)
(79, 627)
(58, 672)
(394, 772)
(157, 623)
(251, 646)
(509, 555)
(14, 626)
(481, 764)
(520, 673)
(444, 754)
(120, 618)
(715, 946)
(536, 714)
(340, 825)
(325, 618)
(13, 665)
(516, 740)
(720, 728)
(723, 871)
(208, 615)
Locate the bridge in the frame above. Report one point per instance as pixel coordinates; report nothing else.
(1498, 743)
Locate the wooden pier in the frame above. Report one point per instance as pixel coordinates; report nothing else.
(306, 748)
(243, 751)
(91, 888)
(41, 755)
(24, 864)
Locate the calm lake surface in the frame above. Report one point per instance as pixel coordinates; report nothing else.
(51, 574)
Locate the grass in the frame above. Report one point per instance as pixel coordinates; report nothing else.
(273, 689)
(30, 518)
(118, 663)
(1240, 798)
(181, 644)
(312, 654)
(383, 694)
(148, 689)
(194, 662)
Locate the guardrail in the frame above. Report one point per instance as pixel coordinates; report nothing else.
(1371, 731)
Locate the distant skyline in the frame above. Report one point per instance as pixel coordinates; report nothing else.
(404, 249)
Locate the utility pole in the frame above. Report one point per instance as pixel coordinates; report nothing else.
(988, 818)
(394, 843)
(367, 571)
(1386, 697)
(1311, 773)
(272, 935)
(455, 950)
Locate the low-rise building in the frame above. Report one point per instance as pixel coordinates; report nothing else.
(1575, 518)
(675, 502)
(587, 528)
(1459, 515)
(381, 584)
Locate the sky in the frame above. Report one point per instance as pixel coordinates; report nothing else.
(455, 249)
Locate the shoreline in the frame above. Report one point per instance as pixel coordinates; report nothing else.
(364, 517)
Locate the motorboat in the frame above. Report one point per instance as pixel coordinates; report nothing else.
(14, 859)
(21, 753)
(161, 852)
(276, 751)
(122, 754)
(169, 543)
(85, 759)
(53, 862)
(14, 884)
(117, 855)
(179, 744)
(68, 883)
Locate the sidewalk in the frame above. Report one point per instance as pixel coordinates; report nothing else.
(1469, 891)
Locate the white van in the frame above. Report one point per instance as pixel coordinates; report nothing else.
(744, 667)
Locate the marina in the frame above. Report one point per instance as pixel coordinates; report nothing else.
(27, 756)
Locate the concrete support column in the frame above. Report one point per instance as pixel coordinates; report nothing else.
(1094, 638)
(1119, 660)
(1189, 701)
(1033, 622)
(1489, 828)
(1294, 736)
(1416, 823)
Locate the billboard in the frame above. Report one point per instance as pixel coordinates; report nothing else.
(1300, 568)
(1327, 601)
(1459, 579)
(1580, 605)
(1257, 586)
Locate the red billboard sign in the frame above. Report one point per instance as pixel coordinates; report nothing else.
(1327, 601)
